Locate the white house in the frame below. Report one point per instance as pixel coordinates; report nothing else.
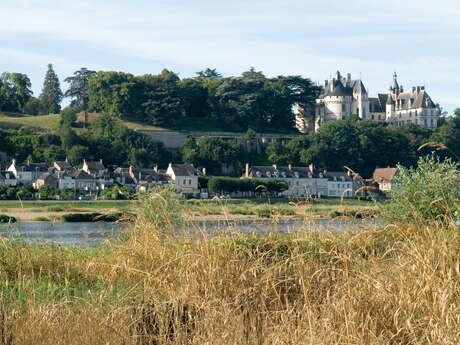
(28, 172)
(340, 184)
(185, 178)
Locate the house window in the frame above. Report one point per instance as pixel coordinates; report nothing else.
(184, 182)
(189, 182)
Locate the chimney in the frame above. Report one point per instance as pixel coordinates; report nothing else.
(131, 170)
(326, 83)
(311, 168)
(413, 89)
(100, 160)
(349, 77)
(418, 90)
(155, 168)
(140, 176)
(28, 162)
(203, 171)
(246, 172)
(13, 162)
(290, 166)
(274, 166)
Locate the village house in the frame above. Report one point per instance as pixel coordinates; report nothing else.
(63, 166)
(27, 172)
(7, 178)
(340, 184)
(46, 179)
(185, 177)
(97, 170)
(302, 181)
(386, 178)
(85, 182)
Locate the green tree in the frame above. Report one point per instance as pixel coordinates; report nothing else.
(68, 116)
(33, 106)
(163, 105)
(15, 91)
(117, 94)
(209, 73)
(213, 152)
(51, 95)
(194, 97)
(78, 89)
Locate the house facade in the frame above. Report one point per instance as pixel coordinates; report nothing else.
(185, 177)
(386, 178)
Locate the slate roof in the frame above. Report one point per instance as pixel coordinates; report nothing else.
(63, 165)
(420, 100)
(338, 176)
(378, 104)
(82, 175)
(281, 172)
(41, 167)
(46, 176)
(95, 165)
(184, 170)
(384, 175)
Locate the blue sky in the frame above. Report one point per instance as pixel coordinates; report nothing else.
(417, 38)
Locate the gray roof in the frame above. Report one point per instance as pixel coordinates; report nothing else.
(338, 175)
(95, 165)
(82, 175)
(64, 165)
(42, 167)
(184, 170)
(419, 100)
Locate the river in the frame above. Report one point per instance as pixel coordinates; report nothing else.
(92, 234)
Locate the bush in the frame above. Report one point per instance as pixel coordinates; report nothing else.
(429, 192)
(91, 217)
(7, 219)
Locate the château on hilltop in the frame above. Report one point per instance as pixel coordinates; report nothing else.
(341, 97)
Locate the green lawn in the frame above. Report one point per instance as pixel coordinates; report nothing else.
(43, 121)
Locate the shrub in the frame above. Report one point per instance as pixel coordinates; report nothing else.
(7, 219)
(91, 217)
(429, 192)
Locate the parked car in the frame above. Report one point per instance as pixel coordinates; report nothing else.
(84, 197)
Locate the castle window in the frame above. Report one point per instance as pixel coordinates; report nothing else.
(343, 108)
(372, 116)
(424, 121)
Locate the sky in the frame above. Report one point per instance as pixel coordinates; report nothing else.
(369, 39)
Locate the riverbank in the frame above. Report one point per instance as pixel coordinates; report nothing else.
(193, 210)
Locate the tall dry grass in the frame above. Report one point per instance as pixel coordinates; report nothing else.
(397, 286)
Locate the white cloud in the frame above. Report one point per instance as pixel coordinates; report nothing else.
(279, 37)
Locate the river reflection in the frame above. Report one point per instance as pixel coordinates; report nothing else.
(92, 234)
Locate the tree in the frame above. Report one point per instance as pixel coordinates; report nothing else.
(15, 91)
(68, 116)
(117, 94)
(194, 97)
(253, 74)
(213, 152)
(51, 95)
(33, 106)
(79, 88)
(209, 73)
(163, 104)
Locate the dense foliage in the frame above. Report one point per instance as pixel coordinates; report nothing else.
(251, 100)
(247, 186)
(214, 153)
(15, 92)
(428, 192)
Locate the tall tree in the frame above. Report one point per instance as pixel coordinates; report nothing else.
(51, 95)
(15, 91)
(79, 88)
